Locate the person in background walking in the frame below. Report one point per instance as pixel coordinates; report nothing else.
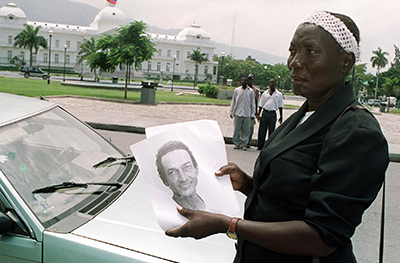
(271, 100)
(242, 110)
(256, 91)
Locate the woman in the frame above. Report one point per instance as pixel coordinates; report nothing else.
(319, 171)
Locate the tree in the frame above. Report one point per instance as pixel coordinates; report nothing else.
(359, 79)
(380, 61)
(396, 60)
(130, 46)
(29, 39)
(227, 59)
(87, 52)
(198, 58)
(17, 61)
(282, 76)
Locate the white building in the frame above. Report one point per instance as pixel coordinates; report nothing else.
(66, 40)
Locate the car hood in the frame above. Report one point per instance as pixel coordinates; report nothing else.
(130, 223)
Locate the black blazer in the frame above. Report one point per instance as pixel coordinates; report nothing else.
(324, 175)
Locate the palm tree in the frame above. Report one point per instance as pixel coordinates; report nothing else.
(130, 46)
(380, 61)
(29, 39)
(198, 58)
(87, 49)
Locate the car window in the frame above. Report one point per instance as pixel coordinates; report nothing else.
(51, 148)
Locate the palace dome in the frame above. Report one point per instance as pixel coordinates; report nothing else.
(11, 11)
(109, 17)
(194, 31)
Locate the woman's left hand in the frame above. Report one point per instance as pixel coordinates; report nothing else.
(201, 224)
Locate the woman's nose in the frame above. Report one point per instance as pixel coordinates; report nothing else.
(296, 61)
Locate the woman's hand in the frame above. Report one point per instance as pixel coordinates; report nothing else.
(239, 179)
(201, 224)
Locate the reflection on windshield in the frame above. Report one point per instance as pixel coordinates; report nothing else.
(51, 148)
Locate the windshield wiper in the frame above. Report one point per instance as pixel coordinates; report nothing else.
(66, 185)
(111, 161)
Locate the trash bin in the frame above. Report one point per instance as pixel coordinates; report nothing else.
(382, 107)
(148, 93)
(115, 80)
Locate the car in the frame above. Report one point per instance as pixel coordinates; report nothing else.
(374, 102)
(67, 194)
(33, 72)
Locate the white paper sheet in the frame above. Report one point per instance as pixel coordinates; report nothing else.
(205, 141)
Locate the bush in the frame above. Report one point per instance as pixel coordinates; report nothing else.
(201, 89)
(211, 91)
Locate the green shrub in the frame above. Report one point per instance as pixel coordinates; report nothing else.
(201, 89)
(211, 91)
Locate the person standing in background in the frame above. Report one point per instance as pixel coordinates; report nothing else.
(250, 80)
(271, 100)
(242, 110)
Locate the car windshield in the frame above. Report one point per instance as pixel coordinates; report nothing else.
(51, 148)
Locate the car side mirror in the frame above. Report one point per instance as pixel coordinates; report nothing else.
(6, 224)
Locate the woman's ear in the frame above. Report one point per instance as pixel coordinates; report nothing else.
(347, 63)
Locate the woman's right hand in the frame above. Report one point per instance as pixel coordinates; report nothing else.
(239, 179)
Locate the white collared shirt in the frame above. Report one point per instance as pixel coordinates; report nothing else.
(271, 102)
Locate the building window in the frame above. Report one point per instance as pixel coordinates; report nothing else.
(9, 55)
(205, 70)
(67, 59)
(22, 55)
(206, 55)
(57, 43)
(188, 54)
(158, 66)
(168, 67)
(78, 46)
(10, 40)
(178, 54)
(68, 44)
(168, 53)
(45, 57)
(215, 70)
(177, 68)
(34, 58)
(160, 52)
(149, 66)
(56, 58)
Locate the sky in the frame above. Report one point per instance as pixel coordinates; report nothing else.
(268, 25)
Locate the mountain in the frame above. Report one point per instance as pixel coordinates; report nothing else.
(74, 13)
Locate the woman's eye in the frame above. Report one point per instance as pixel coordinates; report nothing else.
(311, 51)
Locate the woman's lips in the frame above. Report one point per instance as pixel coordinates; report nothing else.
(297, 80)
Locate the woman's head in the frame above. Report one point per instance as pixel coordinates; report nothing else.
(322, 52)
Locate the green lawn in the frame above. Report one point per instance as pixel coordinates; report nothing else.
(38, 87)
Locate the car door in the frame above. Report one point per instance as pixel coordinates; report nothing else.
(19, 245)
(36, 72)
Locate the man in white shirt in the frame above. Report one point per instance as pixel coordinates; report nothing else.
(271, 100)
(242, 110)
